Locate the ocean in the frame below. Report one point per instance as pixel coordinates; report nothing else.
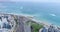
(47, 12)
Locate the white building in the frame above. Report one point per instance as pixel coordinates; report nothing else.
(4, 25)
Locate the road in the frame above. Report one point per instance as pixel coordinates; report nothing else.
(20, 28)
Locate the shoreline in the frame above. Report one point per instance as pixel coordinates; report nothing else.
(31, 17)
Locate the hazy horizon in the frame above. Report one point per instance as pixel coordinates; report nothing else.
(35, 1)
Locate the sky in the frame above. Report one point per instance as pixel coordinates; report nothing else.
(37, 0)
(32, 0)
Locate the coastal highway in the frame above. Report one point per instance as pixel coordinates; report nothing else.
(20, 27)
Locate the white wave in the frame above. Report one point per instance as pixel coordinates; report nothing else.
(53, 14)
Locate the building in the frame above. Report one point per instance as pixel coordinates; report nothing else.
(5, 25)
(14, 23)
(43, 30)
(51, 28)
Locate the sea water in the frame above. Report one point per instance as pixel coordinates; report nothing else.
(49, 12)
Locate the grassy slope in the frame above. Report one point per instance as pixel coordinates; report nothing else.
(36, 27)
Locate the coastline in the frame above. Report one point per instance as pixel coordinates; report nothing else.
(31, 17)
(25, 18)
